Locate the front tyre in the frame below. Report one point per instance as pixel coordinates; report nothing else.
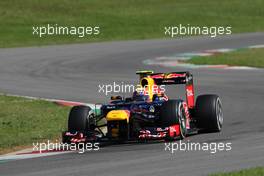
(209, 113)
(79, 119)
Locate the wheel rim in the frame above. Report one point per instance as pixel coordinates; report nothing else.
(219, 114)
(182, 121)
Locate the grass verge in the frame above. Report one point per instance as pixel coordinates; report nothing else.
(244, 57)
(258, 171)
(122, 20)
(24, 121)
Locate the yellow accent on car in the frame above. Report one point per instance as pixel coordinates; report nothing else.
(144, 73)
(147, 83)
(117, 115)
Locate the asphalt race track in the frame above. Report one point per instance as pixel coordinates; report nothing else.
(73, 72)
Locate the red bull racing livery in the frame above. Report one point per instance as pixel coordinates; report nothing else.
(148, 114)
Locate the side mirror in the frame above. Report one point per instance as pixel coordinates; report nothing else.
(116, 97)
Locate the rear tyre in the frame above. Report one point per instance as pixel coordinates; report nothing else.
(209, 113)
(172, 112)
(79, 119)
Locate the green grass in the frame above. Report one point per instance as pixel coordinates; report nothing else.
(258, 171)
(122, 19)
(24, 121)
(244, 57)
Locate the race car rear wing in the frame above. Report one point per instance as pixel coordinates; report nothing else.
(173, 78)
(168, 78)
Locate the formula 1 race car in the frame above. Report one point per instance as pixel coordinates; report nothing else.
(149, 114)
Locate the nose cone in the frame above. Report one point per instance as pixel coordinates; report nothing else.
(117, 115)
